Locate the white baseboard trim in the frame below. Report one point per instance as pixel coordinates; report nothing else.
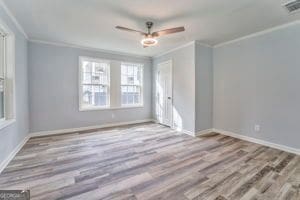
(194, 134)
(13, 153)
(258, 141)
(70, 130)
(204, 132)
(181, 130)
(187, 132)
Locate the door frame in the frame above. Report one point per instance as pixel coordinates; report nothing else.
(170, 61)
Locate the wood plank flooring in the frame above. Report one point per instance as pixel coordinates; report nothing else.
(150, 161)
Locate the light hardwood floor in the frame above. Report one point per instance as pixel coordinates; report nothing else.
(150, 161)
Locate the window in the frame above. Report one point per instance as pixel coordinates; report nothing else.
(131, 84)
(7, 76)
(109, 84)
(94, 84)
(2, 76)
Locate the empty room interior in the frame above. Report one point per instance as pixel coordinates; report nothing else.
(149, 100)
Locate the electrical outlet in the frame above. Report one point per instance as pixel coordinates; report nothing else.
(112, 115)
(257, 128)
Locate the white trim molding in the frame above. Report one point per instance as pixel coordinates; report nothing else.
(203, 44)
(196, 134)
(72, 130)
(6, 123)
(67, 45)
(204, 132)
(174, 49)
(12, 17)
(258, 141)
(13, 153)
(186, 132)
(257, 33)
(180, 47)
(243, 137)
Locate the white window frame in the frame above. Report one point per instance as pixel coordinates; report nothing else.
(81, 108)
(9, 76)
(141, 104)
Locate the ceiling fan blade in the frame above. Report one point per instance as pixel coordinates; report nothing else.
(168, 31)
(130, 30)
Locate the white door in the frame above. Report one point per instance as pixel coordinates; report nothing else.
(164, 100)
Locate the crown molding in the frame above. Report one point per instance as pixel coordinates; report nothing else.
(62, 44)
(174, 49)
(12, 17)
(269, 30)
(180, 47)
(203, 44)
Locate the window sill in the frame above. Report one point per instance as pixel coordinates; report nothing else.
(6, 123)
(110, 108)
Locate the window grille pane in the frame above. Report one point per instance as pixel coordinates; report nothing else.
(99, 68)
(87, 95)
(100, 95)
(87, 78)
(87, 66)
(130, 100)
(123, 79)
(130, 80)
(131, 95)
(124, 95)
(2, 76)
(130, 70)
(137, 98)
(2, 50)
(138, 80)
(1, 99)
(95, 95)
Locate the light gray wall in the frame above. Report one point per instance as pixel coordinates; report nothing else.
(183, 61)
(204, 87)
(12, 135)
(53, 83)
(256, 81)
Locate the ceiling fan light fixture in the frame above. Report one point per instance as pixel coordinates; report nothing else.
(149, 41)
(149, 36)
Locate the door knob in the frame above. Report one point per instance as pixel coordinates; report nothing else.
(169, 98)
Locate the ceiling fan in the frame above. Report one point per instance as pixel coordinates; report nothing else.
(149, 39)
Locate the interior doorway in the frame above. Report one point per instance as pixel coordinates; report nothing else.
(164, 95)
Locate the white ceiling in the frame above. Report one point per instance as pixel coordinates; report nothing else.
(91, 23)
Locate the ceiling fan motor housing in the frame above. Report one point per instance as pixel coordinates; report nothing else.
(149, 26)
